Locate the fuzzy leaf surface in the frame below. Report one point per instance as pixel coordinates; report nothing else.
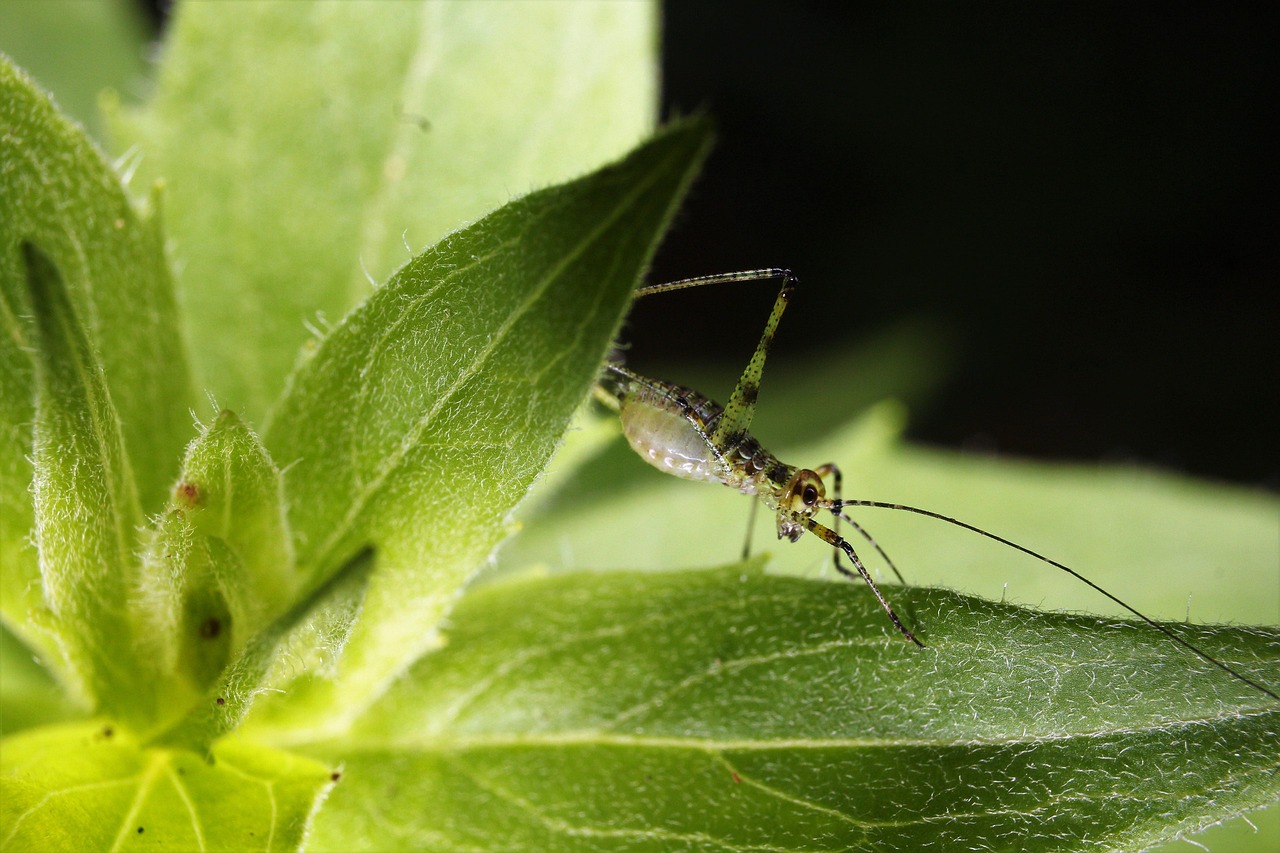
(732, 710)
(217, 568)
(331, 134)
(88, 786)
(231, 492)
(59, 195)
(423, 418)
(1172, 546)
(86, 506)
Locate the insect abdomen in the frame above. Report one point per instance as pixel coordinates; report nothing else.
(669, 441)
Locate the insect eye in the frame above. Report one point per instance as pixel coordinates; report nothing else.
(809, 495)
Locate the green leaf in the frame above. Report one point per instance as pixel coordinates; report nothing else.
(183, 619)
(218, 568)
(28, 695)
(302, 141)
(229, 493)
(424, 417)
(733, 710)
(88, 786)
(86, 509)
(1168, 544)
(224, 706)
(61, 196)
(74, 49)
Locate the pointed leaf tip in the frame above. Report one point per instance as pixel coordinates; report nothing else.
(424, 417)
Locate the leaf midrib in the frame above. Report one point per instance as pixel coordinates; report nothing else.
(593, 737)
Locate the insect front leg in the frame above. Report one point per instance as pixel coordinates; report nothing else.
(829, 536)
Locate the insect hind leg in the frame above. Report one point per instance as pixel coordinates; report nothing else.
(738, 414)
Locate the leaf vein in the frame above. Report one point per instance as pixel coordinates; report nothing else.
(185, 796)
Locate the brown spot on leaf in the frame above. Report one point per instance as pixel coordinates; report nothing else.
(187, 493)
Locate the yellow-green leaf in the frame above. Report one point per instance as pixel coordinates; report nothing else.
(306, 146)
(89, 786)
(423, 418)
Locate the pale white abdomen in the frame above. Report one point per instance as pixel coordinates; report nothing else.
(670, 442)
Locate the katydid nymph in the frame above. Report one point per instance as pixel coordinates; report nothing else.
(684, 433)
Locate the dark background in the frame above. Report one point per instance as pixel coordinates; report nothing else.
(1079, 199)
(1082, 197)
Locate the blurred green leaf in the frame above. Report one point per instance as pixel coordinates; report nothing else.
(305, 146)
(422, 420)
(732, 710)
(28, 695)
(76, 49)
(89, 786)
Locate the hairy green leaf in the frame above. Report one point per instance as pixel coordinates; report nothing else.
(301, 142)
(183, 621)
(62, 196)
(89, 786)
(229, 495)
(1169, 545)
(424, 417)
(730, 710)
(225, 704)
(112, 283)
(86, 508)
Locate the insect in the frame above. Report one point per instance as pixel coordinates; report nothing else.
(686, 434)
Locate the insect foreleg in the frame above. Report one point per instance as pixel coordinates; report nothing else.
(829, 536)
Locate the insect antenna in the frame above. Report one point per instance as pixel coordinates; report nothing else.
(837, 505)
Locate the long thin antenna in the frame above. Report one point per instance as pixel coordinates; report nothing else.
(836, 505)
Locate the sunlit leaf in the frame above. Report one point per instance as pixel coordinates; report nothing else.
(423, 419)
(730, 710)
(307, 146)
(88, 786)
